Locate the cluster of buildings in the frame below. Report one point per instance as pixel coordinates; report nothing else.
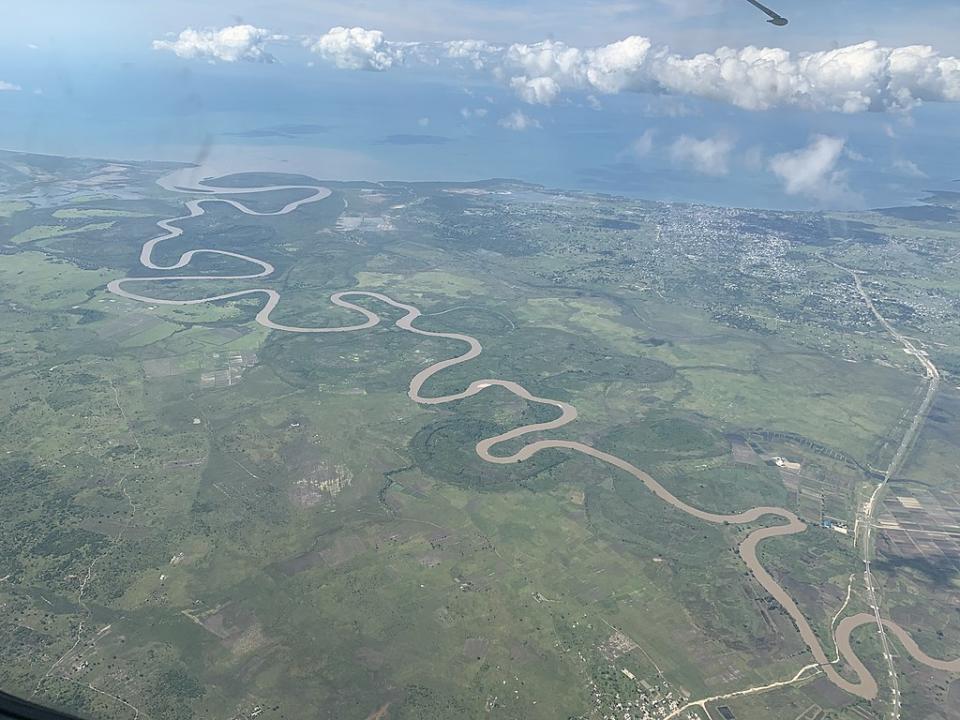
(643, 701)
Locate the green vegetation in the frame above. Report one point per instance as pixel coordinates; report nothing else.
(74, 213)
(44, 232)
(239, 523)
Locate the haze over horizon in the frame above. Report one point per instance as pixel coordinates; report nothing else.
(849, 106)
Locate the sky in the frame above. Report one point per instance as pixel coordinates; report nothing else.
(853, 104)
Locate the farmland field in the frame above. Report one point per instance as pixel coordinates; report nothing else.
(205, 516)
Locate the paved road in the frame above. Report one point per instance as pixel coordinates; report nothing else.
(896, 462)
(865, 686)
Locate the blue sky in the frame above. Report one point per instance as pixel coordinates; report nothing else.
(400, 99)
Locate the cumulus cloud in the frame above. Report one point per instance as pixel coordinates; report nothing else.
(358, 49)
(517, 120)
(476, 52)
(8, 86)
(852, 79)
(536, 91)
(606, 69)
(237, 42)
(812, 170)
(709, 156)
(856, 78)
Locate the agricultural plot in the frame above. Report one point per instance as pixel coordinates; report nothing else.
(201, 516)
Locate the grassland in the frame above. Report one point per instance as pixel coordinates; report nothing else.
(236, 523)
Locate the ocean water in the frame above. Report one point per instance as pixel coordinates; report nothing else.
(419, 125)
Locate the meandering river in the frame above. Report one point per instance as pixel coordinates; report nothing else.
(865, 686)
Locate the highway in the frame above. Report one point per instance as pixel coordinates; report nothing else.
(867, 520)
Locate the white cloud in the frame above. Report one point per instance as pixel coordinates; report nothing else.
(605, 69)
(237, 42)
(470, 113)
(856, 78)
(476, 52)
(850, 79)
(536, 91)
(518, 121)
(642, 146)
(710, 156)
(812, 171)
(908, 168)
(8, 86)
(423, 122)
(358, 49)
